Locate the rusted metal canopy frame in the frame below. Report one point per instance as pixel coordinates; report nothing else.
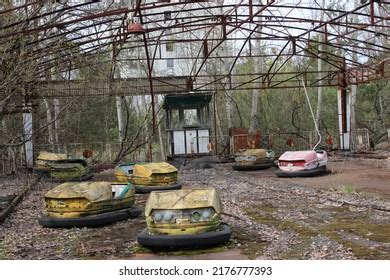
(312, 83)
(91, 40)
(330, 22)
(115, 87)
(303, 49)
(46, 14)
(356, 13)
(149, 64)
(65, 23)
(346, 25)
(42, 52)
(276, 38)
(286, 80)
(352, 27)
(18, 7)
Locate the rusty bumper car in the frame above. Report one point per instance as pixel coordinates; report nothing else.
(59, 167)
(88, 204)
(123, 172)
(184, 218)
(302, 163)
(254, 159)
(147, 177)
(45, 160)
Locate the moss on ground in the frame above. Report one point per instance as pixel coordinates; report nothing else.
(179, 252)
(362, 227)
(343, 220)
(260, 215)
(194, 251)
(267, 207)
(250, 247)
(336, 210)
(254, 249)
(298, 250)
(137, 249)
(348, 189)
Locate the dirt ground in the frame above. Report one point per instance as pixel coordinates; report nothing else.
(343, 215)
(365, 176)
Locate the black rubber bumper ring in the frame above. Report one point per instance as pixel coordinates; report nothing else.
(148, 189)
(304, 173)
(205, 239)
(90, 221)
(85, 177)
(252, 167)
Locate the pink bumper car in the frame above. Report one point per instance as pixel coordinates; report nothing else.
(302, 163)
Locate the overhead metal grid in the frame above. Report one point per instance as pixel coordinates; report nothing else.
(69, 35)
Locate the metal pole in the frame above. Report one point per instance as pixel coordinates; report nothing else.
(150, 83)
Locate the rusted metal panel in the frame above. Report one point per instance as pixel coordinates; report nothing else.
(240, 139)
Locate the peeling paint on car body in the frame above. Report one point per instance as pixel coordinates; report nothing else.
(253, 156)
(71, 200)
(61, 167)
(124, 171)
(293, 161)
(146, 174)
(182, 204)
(156, 173)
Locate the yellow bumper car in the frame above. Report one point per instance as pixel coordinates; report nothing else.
(254, 159)
(60, 167)
(184, 218)
(88, 204)
(147, 177)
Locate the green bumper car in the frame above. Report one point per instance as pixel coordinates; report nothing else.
(59, 167)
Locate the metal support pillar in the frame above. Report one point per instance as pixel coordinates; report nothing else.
(344, 113)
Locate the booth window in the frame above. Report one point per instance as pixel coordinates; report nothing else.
(191, 117)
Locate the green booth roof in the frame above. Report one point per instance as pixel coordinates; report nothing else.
(186, 101)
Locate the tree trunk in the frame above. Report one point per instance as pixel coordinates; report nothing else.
(253, 124)
(121, 123)
(149, 154)
(49, 122)
(229, 111)
(56, 119)
(27, 136)
(219, 127)
(160, 138)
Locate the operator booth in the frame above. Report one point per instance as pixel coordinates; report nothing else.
(188, 124)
